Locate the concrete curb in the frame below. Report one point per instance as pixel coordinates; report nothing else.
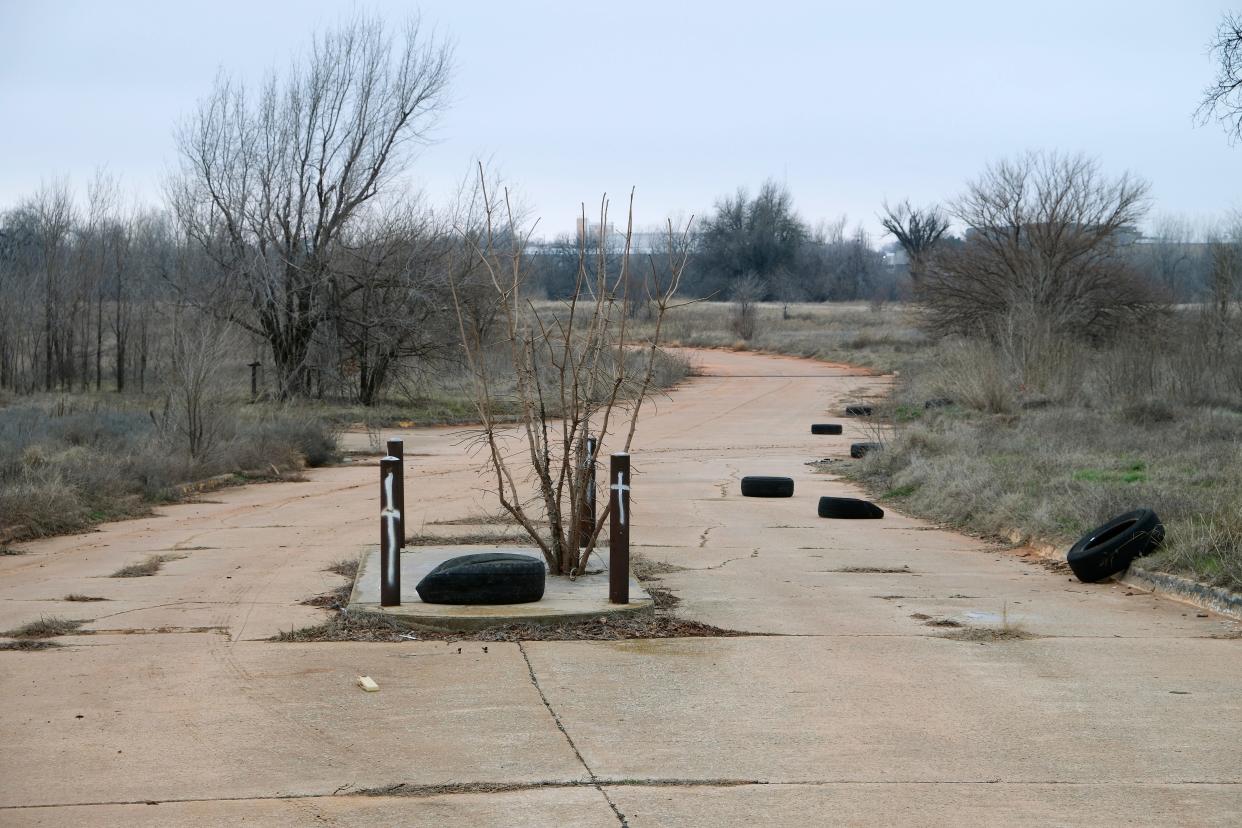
(1186, 590)
(1211, 598)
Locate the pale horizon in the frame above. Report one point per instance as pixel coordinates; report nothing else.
(847, 107)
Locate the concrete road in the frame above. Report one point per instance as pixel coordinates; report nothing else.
(846, 706)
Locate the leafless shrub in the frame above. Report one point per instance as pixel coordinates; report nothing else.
(1041, 258)
(570, 369)
(747, 291)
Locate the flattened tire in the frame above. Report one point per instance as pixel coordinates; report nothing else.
(848, 508)
(767, 486)
(858, 450)
(484, 578)
(858, 410)
(1110, 549)
(825, 428)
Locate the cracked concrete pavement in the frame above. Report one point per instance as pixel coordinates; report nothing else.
(844, 708)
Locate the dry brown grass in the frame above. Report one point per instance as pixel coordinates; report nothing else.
(471, 539)
(345, 567)
(28, 644)
(853, 333)
(47, 627)
(150, 566)
(355, 626)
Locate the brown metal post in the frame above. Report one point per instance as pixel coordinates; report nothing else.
(396, 448)
(619, 530)
(390, 540)
(586, 520)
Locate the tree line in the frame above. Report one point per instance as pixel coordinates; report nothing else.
(290, 225)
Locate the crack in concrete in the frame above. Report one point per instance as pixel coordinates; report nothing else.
(594, 780)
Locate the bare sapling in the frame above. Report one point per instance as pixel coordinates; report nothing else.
(572, 368)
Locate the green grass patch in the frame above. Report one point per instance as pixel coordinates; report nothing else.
(901, 491)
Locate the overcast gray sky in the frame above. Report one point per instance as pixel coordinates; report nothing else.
(848, 103)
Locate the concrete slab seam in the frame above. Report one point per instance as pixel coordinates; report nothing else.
(530, 668)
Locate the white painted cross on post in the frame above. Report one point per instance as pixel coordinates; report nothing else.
(619, 532)
(620, 488)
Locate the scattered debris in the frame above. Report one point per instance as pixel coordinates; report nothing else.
(334, 600)
(943, 622)
(345, 567)
(368, 684)
(74, 596)
(645, 569)
(359, 626)
(661, 598)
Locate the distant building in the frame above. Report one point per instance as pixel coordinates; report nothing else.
(641, 241)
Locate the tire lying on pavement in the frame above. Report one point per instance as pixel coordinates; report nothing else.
(848, 507)
(858, 410)
(767, 486)
(1109, 549)
(825, 428)
(857, 450)
(484, 578)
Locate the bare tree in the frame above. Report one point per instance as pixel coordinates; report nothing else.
(747, 291)
(1222, 100)
(270, 184)
(390, 297)
(194, 410)
(1042, 252)
(53, 218)
(917, 230)
(575, 369)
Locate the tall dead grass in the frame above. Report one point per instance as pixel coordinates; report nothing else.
(67, 464)
(1056, 443)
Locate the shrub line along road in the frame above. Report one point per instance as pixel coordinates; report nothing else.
(1119, 708)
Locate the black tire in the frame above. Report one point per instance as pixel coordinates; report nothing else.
(767, 487)
(825, 428)
(1109, 549)
(858, 410)
(484, 578)
(848, 507)
(857, 450)
(939, 402)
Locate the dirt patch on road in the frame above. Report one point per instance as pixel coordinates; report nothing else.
(984, 635)
(356, 626)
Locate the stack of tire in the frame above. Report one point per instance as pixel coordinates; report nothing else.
(1109, 549)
